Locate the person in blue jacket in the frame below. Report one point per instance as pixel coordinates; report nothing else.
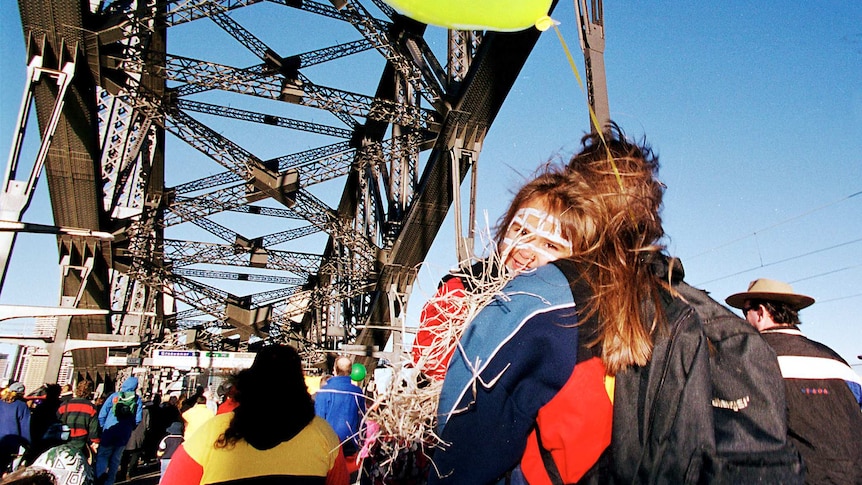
(342, 404)
(14, 424)
(116, 431)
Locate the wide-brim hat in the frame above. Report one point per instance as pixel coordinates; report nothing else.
(770, 290)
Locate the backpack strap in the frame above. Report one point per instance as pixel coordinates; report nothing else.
(674, 314)
(548, 461)
(598, 474)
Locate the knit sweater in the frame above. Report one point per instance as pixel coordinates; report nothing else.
(81, 416)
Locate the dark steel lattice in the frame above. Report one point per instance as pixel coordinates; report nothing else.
(274, 167)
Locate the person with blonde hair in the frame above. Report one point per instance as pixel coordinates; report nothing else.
(14, 424)
(532, 380)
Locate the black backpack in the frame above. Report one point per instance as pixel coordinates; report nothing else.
(708, 408)
(748, 401)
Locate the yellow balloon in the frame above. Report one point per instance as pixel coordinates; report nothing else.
(545, 23)
(499, 15)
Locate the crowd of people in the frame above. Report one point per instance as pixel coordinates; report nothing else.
(530, 353)
(108, 438)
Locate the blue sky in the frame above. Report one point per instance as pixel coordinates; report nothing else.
(755, 111)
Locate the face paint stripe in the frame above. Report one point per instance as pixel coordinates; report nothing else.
(514, 245)
(547, 226)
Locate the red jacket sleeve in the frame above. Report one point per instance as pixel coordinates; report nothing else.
(437, 314)
(182, 470)
(338, 474)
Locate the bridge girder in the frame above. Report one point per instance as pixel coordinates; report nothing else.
(136, 152)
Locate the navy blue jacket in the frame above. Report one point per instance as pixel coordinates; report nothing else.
(518, 352)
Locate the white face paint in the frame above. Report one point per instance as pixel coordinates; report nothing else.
(534, 238)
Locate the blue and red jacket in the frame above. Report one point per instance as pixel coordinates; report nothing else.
(525, 362)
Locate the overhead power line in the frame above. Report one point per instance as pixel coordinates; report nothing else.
(809, 253)
(785, 221)
(841, 298)
(826, 273)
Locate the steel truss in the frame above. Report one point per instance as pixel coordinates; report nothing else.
(201, 120)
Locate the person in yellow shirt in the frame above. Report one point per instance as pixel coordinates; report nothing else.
(273, 436)
(196, 416)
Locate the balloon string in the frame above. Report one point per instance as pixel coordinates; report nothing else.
(593, 117)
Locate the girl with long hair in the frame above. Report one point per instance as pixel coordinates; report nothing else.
(617, 199)
(528, 394)
(528, 235)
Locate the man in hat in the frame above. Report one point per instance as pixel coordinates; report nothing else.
(824, 394)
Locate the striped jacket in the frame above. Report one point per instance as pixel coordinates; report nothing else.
(824, 396)
(81, 416)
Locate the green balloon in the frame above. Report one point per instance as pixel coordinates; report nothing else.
(357, 372)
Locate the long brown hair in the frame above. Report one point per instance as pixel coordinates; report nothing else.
(616, 203)
(550, 184)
